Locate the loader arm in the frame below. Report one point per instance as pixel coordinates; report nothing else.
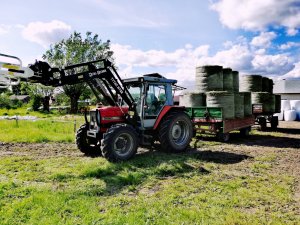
(100, 75)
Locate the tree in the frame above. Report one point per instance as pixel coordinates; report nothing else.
(39, 94)
(77, 49)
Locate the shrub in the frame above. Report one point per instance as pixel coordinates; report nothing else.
(36, 101)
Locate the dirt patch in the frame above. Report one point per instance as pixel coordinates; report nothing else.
(39, 150)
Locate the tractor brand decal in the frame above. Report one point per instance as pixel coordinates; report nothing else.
(98, 72)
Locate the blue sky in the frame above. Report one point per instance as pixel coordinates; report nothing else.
(170, 37)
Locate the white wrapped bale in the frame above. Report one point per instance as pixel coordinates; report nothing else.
(285, 105)
(290, 115)
(295, 104)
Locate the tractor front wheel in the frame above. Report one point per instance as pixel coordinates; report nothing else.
(175, 132)
(119, 143)
(83, 143)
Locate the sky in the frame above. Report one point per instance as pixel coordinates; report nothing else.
(171, 37)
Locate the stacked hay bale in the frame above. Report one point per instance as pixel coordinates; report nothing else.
(222, 99)
(266, 99)
(221, 88)
(209, 78)
(235, 81)
(192, 99)
(261, 89)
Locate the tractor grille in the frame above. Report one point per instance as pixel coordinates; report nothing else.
(93, 120)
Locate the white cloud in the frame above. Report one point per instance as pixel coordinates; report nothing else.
(289, 45)
(292, 32)
(180, 64)
(258, 14)
(237, 57)
(46, 33)
(264, 39)
(4, 29)
(272, 64)
(183, 60)
(294, 73)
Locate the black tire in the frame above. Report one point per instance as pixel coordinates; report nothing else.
(119, 143)
(263, 123)
(244, 132)
(223, 137)
(274, 122)
(83, 144)
(175, 132)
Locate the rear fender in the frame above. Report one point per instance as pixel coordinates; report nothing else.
(166, 109)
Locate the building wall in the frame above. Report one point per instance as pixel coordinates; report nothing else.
(289, 96)
(291, 86)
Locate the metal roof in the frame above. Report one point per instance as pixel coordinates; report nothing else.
(153, 77)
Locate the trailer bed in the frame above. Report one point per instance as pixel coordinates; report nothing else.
(211, 119)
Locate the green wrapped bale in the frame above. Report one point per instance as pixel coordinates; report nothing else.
(209, 78)
(277, 103)
(227, 80)
(235, 81)
(239, 105)
(265, 98)
(192, 99)
(247, 104)
(222, 99)
(251, 83)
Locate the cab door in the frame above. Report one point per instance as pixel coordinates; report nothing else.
(154, 101)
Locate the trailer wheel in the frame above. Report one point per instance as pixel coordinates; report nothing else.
(175, 132)
(223, 137)
(263, 123)
(83, 144)
(274, 122)
(119, 143)
(244, 132)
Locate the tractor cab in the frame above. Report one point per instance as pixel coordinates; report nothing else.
(151, 93)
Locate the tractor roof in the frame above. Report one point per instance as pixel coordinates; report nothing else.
(153, 78)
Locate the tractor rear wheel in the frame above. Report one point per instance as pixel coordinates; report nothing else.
(119, 143)
(175, 132)
(83, 144)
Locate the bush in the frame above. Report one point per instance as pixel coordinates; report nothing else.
(36, 101)
(5, 101)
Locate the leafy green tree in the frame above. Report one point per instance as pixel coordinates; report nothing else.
(77, 49)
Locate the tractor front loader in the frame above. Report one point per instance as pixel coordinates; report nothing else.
(140, 111)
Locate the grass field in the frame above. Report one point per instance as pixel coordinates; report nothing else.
(248, 181)
(54, 129)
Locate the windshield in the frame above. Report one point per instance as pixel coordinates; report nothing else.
(135, 90)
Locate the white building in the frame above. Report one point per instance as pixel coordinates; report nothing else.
(288, 89)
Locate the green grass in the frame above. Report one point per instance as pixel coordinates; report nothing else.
(48, 130)
(153, 188)
(24, 112)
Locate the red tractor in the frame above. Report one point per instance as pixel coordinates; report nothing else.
(141, 109)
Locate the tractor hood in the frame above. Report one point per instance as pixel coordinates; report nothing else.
(112, 114)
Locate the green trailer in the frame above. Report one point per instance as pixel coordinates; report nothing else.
(211, 120)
